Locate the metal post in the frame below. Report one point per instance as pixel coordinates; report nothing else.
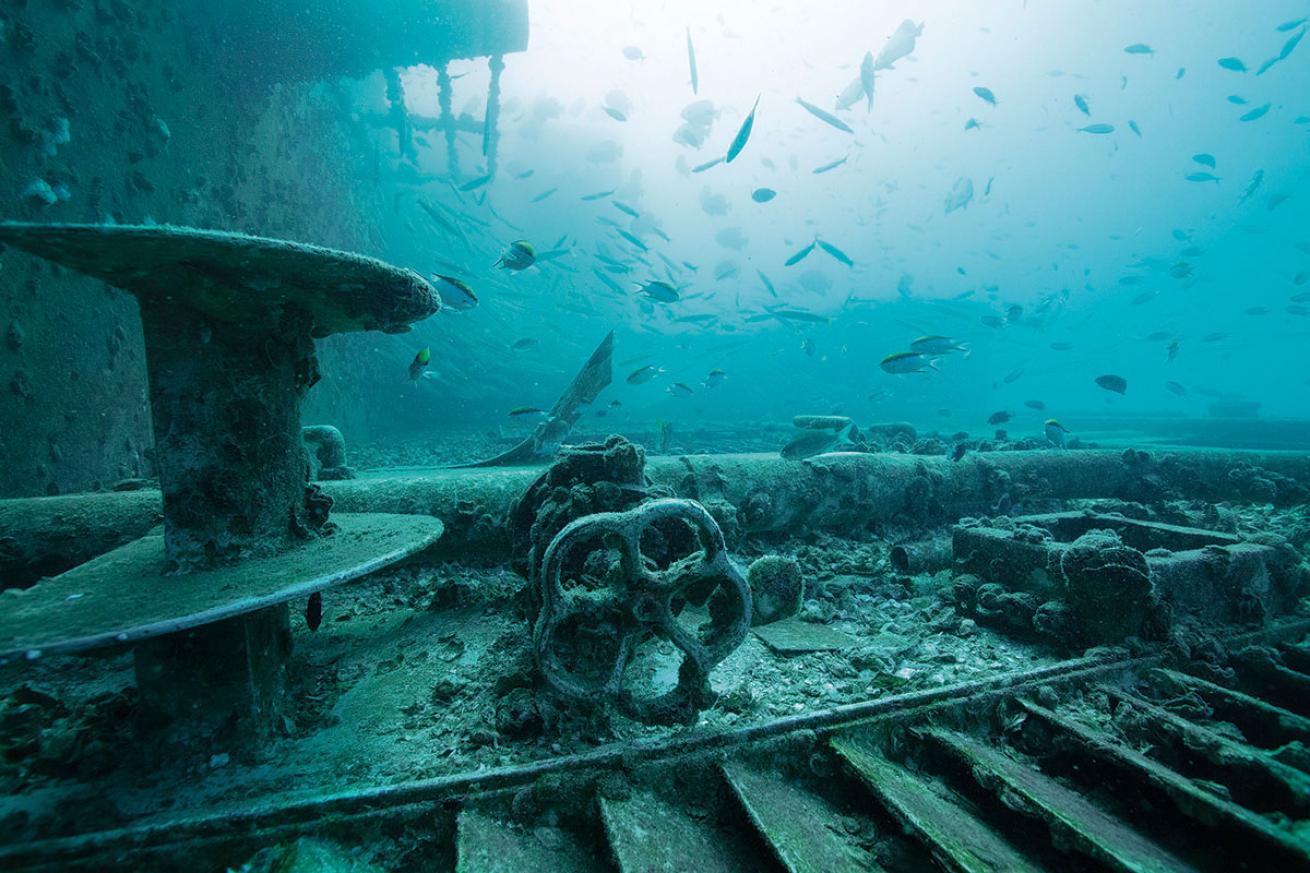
(447, 120)
(490, 134)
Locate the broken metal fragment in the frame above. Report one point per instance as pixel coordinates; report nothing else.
(796, 637)
(330, 452)
(1110, 586)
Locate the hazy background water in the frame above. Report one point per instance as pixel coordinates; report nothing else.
(1085, 232)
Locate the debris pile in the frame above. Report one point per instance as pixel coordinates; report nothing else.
(1082, 577)
(633, 600)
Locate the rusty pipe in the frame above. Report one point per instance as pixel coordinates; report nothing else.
(836, 492)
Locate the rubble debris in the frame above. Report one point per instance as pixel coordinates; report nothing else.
(1107, 585)
(892, 433)
(585, 479)
(1117, 571)
(777, 588)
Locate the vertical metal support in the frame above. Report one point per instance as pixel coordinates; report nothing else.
(225, 403)
(396, 109)
(227, 676)
(447, 119)
(490, 134)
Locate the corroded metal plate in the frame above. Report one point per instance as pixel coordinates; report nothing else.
(233, 277)
(123, 596)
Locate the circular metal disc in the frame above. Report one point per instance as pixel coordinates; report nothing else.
(123, 596)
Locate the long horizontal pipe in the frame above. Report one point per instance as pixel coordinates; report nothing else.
(45, 535)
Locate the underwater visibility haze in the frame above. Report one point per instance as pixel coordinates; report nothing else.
(492, 435)
(1067, 191)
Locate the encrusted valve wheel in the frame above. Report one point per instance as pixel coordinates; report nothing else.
(598, 611)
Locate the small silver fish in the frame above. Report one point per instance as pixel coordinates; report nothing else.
(900, 363)
(934, 344)
(825, 116)
(1055, 433)
(1111, 382)
(743, 135)
(642, 375)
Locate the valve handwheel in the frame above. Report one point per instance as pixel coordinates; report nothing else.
(592, 623)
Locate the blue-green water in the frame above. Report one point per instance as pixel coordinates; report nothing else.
(966, 227)
(1170, 251)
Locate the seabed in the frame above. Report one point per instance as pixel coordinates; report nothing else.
(943, 704)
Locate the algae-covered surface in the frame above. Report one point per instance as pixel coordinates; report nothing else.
(426, 671)
(127, 594)
(235, 277)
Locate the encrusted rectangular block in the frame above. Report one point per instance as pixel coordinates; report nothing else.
(1208, 573)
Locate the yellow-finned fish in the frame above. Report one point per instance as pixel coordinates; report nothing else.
(420, 363)
(455, 293)
(518, 256)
